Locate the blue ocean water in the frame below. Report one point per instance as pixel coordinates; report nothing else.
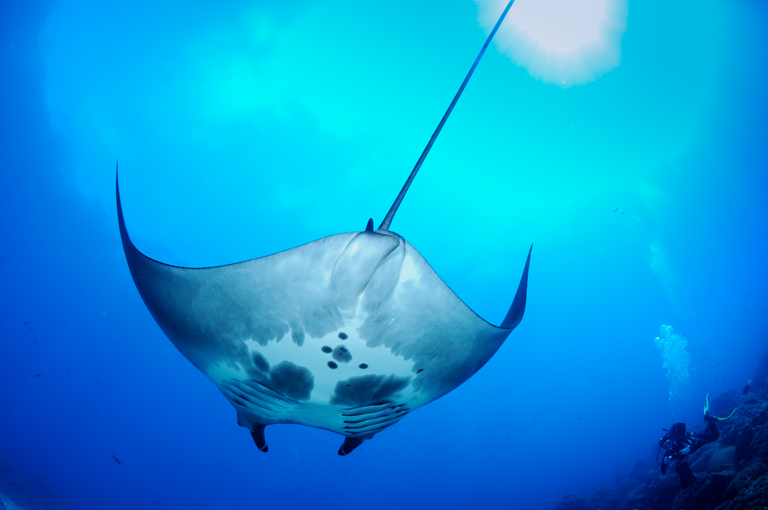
(245, 128)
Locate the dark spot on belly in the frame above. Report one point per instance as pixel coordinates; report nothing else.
(343, 336)
(419, 370)
(342, 354)
(363, 365)
(332, 364)
(365, 389)
(326, 349)
(292, 380)
(260, 361)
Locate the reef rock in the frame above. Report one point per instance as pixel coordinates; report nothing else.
(570, 502)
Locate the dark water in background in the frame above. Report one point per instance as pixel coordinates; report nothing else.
(576, 394)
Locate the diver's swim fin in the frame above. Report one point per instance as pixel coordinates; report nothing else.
(723, 419)
(706, 411)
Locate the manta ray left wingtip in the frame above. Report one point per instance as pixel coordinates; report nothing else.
(516, 311)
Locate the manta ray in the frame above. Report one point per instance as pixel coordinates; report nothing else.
(348, 333)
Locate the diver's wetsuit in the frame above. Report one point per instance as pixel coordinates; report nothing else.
(709, 435)
(679, 443)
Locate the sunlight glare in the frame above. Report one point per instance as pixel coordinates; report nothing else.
(564, 42)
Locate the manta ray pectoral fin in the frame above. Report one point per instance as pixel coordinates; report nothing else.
(350, 443)
(257, 433)
(516, 311)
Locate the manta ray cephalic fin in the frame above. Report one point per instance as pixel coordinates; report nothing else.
(350, 444)
(257, 433)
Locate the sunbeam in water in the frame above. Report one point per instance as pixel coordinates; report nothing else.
(563, 42)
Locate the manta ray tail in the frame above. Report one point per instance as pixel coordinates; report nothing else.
(392, 210)
(516, 311)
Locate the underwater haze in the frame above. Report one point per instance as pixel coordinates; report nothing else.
(626, 141)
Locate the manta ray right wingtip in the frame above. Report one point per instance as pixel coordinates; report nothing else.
(516, 311)
(120, 218)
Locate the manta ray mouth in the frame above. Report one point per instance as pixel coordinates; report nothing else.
(258, 406)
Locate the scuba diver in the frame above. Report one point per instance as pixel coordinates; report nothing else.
(677, 443)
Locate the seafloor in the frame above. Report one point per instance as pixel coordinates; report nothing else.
(731, 473)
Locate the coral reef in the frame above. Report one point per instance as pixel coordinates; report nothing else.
(731, 473)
